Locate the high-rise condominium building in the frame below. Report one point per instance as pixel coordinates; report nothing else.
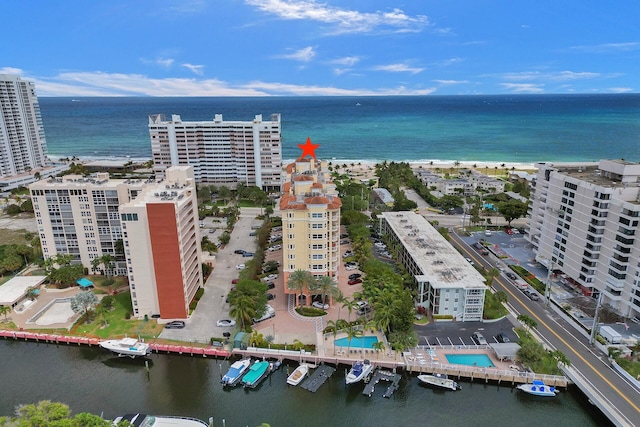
(221, 152)
(310, 209)
(584, 226)
(78, 216)
(162, 246)
(23, 148)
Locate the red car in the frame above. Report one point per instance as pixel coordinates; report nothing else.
(234, 281)
(354, 281)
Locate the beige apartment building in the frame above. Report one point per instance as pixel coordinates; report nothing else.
(78, 216)
(162, 246)
(310, 209)
(221, 152)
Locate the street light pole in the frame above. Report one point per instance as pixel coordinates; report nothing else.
(594, 326)
(547, 288)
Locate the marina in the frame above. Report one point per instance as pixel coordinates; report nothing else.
(382, 375)
(318, 378)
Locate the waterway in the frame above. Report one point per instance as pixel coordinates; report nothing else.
(89, 379)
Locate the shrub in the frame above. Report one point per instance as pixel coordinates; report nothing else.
(310, 311)
(199, 293)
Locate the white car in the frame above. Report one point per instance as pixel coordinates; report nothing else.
(275, 248)
(318, 304)
(269, 277)
(226, 323)
(470, 261)
(240, 267)
(351, 267)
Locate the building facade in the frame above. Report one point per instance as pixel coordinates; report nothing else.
(583, 224)
(310, 209)
(162, 246)
(78, 216)
(221, 152)
(446, 283)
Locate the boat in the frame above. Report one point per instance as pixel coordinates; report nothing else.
(159, 421)
(538, 388)
(359, 371)
(127, 347)
(235, 372)
(298, 374)
(439, 380)
(257, 372)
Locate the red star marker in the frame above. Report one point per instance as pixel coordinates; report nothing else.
(308, 149)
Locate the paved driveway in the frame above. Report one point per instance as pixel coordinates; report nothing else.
(459, 333)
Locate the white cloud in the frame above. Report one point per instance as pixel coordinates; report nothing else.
(347, 60)
(196, 69)
(163, 62)
(620, 89)
(398, 68)
(343, 20)
(549, 76)
(341, 71)
(608, 47)
(112, 84)
(523, 87)
(450, 61)
(451, 82)
(11, 70)
(303, 55)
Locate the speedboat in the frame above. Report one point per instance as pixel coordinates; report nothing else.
(439, 380)
(127, 347)
(159, 421)
(298, 375)
(359, 371)
(235, 372)
(257, 372)
(538, 388)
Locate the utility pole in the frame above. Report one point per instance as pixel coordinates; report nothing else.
(594, 327)
(547, 288)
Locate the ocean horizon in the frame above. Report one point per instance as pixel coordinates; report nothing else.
(513, 129)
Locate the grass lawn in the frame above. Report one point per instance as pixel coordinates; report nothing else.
(118, 325)
(13, 237)
(493, 309)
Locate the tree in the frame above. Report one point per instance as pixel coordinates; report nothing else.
(32, 293)
(560, 358)
(299, 281)
(352, 332)
(243, 309)
(327, 287)
(512, 209)
(379, 347)
(340, 299)
(84, 302)
(501, 296)
(107, 302)
(224, 238)
(4, 310)
(527, 321)
(530, 352)
(47, 413)
(107, 261)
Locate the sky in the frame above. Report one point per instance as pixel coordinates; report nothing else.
(322, 48)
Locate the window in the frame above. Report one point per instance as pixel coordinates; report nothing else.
(317, 256)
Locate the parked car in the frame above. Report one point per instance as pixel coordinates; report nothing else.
(318, 304)
(501, 337)
(470, 261)
(511, 275)
(364, 310)
(270, 297)
(270, 277)
(275, 248)
(479, 339)
(240, 267)
(354, 281)
(533, 296)
(235, 281)
(271, 285)
(226, 323)
(344, 236)
(239, 251)
(355, 276)
(176, 324)
(247, 254)
(268, 314)
(253, 233)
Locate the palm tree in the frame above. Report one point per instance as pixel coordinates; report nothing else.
(379, 347)
(348, 304)
(340, 299)
(299, 281)
(243, 309)
(327, 287)
(527, 321)
(107, 260)
(4, 310)
(352, 332)
(560, 358)
(385, 311)
(334, 327)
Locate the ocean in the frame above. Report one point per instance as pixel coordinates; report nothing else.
(501, 128)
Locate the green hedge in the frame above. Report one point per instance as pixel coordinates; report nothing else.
(310, 311)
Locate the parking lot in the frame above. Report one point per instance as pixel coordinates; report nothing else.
(460, 333)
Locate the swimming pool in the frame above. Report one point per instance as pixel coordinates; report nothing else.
(481, 360)
(356, 342)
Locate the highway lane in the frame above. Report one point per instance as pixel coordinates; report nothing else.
(560, 335)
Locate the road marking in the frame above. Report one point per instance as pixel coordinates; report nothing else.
(575, 352)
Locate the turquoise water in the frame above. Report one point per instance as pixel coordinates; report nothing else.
(358, 342)
(481, 360)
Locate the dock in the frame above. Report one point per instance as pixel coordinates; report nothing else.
(319, 377)
(382, 375)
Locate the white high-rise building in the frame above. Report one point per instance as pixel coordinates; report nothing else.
(584, 225)
(23, 147)
(221, 152)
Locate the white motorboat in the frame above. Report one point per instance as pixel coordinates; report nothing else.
(298, 374)
(439, 380)
(233, 375)
(159, 421)
(126, 347)
(538, 388)
(359, 371)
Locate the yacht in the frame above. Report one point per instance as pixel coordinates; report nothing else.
(159, 421)
(127, 347)
(439, 380)
(235, 372)
(256, 374)
(359, 371)
(538, 388)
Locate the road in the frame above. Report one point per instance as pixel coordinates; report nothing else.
(558, 334)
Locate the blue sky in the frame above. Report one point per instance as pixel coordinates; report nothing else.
(330, 47)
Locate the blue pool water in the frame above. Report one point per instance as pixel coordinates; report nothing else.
(481, 360)
(358, 342)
